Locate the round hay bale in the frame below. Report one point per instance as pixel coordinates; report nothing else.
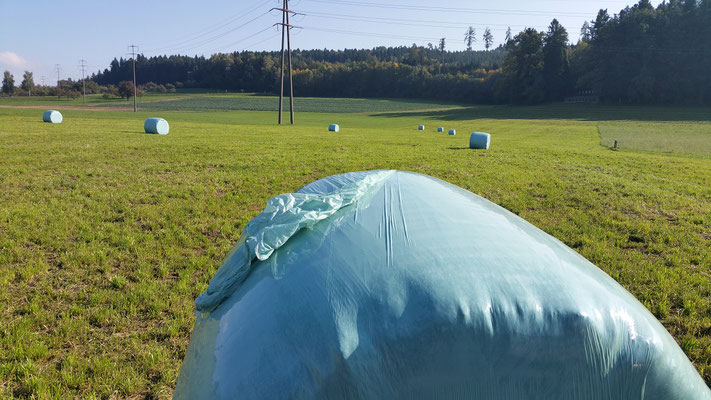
(452, 132)
(52, 116)
(479, 140)
(334, 128)
(156, 125)
(440, 129)
(421, 128)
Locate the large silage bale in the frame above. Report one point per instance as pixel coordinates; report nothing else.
(334, 128)
(389, 284)
(479, 140)
(156, 126)
(52, 116)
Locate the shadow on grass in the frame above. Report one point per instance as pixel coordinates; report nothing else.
(580, 112)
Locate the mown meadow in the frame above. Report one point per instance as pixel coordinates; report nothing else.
(107, 235)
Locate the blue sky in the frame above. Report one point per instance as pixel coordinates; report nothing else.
(36, 35)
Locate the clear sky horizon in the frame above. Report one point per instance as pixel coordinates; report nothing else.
(36, 35)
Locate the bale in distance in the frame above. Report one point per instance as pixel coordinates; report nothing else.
(157, 126)
(52, 116)
(452, 132)
(479, 140)
(440, 129)
(421, 128)
(334, 128)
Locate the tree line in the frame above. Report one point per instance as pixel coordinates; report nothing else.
(647, 55)
(416, 71)
(642, 55)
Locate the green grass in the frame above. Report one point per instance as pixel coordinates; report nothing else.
(668, 137)
(187, 100)
(91, 100)
(108, 235)
(233, 102)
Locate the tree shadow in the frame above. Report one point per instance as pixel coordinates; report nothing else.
(580, 112)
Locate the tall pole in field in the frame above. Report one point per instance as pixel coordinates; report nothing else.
(134, 48)
(82, 65)
(281, 75)
(59, 70)
(285, 34)
(288, 47)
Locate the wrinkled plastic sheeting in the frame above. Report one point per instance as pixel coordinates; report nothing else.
(283, 217)
(419, 289)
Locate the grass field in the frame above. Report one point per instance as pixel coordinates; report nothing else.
(233, 102)
(107, 235)
(665, 136)
(186, 100)
(91, 100)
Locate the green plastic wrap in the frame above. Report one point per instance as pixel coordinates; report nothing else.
(391, 284)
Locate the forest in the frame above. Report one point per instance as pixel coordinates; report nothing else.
(641, 55)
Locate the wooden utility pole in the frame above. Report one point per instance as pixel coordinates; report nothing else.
(82, 65)
(134, 49)
(286, 34)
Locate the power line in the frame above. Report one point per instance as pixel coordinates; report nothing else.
(241, 40)
(406, 22)
(370, 34)
(211, 38)
(262, 41)
(449, 9)
(214, 28)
